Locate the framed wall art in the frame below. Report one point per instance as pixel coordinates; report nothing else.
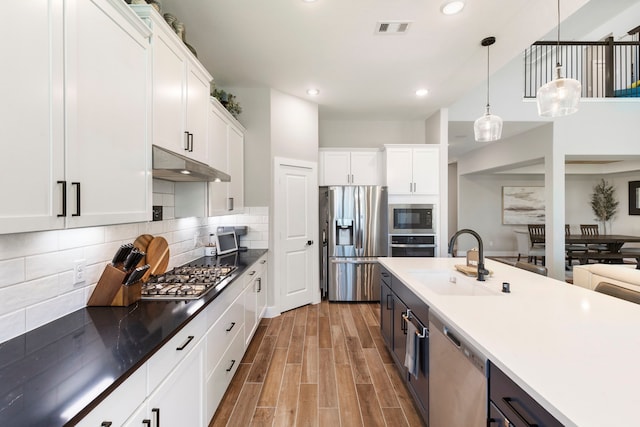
(634, 197)
(522, 205)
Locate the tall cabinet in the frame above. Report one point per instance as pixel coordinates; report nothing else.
(77, 101)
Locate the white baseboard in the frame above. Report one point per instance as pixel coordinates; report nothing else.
(271, 312)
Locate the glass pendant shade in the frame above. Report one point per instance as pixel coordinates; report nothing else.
(488, 127)
(559, 97)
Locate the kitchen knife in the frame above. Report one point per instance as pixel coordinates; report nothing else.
(136, 275)
(133, 258)
(121, 254)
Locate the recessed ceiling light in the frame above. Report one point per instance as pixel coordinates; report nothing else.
(422, 92)
(313, 92)
(452, 7)
(185, 172)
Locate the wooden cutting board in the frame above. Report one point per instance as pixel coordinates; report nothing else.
(157, 257)
(469, 270)
(142, 243)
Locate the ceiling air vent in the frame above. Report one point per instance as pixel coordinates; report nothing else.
(392, 27)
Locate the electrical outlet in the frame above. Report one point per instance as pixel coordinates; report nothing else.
(79, 266)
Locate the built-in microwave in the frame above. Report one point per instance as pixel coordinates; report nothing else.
(411, 219)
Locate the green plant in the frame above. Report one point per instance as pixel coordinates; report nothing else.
(604, 203)
(227, 100)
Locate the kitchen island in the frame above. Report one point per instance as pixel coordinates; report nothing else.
(573, 350)
(56, 374)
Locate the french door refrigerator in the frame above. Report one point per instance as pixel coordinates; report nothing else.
(353, 227)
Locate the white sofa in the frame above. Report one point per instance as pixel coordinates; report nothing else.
(619, 280)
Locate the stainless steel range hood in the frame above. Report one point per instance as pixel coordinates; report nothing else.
(176, 167)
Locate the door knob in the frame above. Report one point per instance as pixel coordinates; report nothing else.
(309, 242)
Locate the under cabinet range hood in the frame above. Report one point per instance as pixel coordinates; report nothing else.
(176, 167)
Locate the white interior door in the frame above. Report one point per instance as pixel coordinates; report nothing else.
(296, 221)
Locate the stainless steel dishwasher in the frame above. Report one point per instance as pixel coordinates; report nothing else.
(458, 381)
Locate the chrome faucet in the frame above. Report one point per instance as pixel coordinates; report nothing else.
(481, 270)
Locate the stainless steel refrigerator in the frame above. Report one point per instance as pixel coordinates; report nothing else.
(353, 228)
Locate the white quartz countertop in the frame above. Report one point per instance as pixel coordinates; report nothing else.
(577, 352)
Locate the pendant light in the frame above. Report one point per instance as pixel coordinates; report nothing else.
(559, 97)
(488, 127)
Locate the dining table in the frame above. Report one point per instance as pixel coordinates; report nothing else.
(614, 242)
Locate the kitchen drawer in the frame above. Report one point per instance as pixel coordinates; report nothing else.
(121, 403)
(222, 332)
(168, 357)
(218, 306)
(515, 403)
(219, 380)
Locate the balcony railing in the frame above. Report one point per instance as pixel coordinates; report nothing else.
(605, 69)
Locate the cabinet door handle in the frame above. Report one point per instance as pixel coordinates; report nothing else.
(77, 184)
(410, 187)
(352, 180)
(156, 413)
(263, 261)
(259, 280)
(231, 327)
(348, 179)
(252, 273)
(230, 203)
(146, 422)
(233, 362)
(64, 198)
(186, 141)
(106, 424)
(190, 142)
(186, 343)
(389, 308)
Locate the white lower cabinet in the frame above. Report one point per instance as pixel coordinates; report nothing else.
(179, 398)
(255, 295)
(223, 372)
(118, 406)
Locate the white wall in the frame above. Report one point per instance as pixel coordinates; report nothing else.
(256, 118)
(370, 134)
(294, 127)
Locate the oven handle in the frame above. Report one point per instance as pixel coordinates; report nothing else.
(409, 245)
(351, 261)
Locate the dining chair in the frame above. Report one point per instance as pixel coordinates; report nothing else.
(524, 247)
(538, 269)
(571, 249)
(593, 230)
(618, 292)
(536, 233)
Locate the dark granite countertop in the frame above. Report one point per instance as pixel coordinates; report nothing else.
(44, 372)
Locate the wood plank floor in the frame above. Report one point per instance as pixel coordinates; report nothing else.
(319, 365)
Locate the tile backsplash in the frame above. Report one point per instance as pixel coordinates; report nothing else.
(36, 269)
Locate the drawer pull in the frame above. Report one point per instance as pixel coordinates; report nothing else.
(259, 280)
(106, 424)
(231, 327)
(146, 422)
(233, 362)
(252, 273)
(263, 261)
(186, 343)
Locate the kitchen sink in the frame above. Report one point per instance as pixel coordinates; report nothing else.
(449, 282)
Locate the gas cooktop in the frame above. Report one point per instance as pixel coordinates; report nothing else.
(188, 282)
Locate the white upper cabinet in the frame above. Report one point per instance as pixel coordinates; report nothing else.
(107, 146)
(226, 153)
(31, 104)
(412, 170)
(180, 91)
(341, 167)
(74, 116)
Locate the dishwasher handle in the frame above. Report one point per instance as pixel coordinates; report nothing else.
(451, 336)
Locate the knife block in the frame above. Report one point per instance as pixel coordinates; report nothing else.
(111, 292)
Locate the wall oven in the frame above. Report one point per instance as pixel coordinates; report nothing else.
(412, 245)
(411, 219)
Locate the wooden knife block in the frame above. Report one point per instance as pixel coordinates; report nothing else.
(111, 292)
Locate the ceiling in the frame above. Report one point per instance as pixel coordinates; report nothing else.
(331, 45)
